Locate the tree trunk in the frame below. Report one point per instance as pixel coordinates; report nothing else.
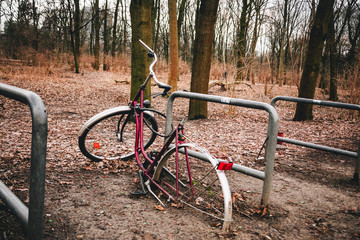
(141, 28)
(35, 16)
(97, 36)
(324, 68)
(181, 17)
(257, 25)
(125, 23)
(313, 59)
(241, 40)
(91, 40)
(333, 61)
(114, 30)
(205, 28)
(353, 34)
(77, 25)
(174, 59)
(75, 40)
(281, 71)
(157, 26)
(105, 36)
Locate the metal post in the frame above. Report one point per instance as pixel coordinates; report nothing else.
(320, 147)
(316, 102)
(357, 167)
(273, 127)
(34, 225)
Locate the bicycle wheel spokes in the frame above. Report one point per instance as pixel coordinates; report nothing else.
(204, 188)
(113, 136)
(104, 139)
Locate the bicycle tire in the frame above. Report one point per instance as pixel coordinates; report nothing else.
(209, 184)
(98, 138)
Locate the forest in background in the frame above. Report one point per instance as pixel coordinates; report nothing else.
(280, 48)
(261, 41)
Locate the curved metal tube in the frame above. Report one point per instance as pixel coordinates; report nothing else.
(273, 127)
(33, 221)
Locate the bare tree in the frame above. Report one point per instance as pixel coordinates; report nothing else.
(181, 17)
(97, 35)
(106, 38)
(141, 28)
(187, 35)
(241, 39)
(353, 28)
(313, 58)
(333, 60)
(282, 43)
(75, 34)
(259, 5)
(205, 28)
(35, 15)
(124, 33)
(114, 30)
(174, 59)
(157, 26)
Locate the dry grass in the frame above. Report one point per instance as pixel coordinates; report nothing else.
(217, 71)
(184, 68)
(38, 66)
(353, 87)
(35, 66)
(121, 63)
(353, 82)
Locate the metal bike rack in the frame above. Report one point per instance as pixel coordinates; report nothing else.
(273, 126)
(32, 217)
(321, 147)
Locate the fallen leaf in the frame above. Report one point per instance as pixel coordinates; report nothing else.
(237, 196)
(177, 205)
(159, 207)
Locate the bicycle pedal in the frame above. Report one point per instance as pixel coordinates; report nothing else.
(138, 193)
(143, 191)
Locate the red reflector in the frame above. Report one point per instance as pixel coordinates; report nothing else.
(225, 165)
(96, 145)
(280, 134)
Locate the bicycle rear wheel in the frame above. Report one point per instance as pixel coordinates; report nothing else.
(208, 191)
(111, 134)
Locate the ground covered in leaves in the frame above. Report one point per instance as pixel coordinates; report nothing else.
(311, 197)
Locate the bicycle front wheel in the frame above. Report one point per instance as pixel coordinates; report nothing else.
(194, 183)
(111, 134)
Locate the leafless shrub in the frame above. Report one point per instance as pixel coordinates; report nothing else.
(184, 67)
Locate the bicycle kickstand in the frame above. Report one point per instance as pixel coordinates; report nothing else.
(141, 179)
(147, 183)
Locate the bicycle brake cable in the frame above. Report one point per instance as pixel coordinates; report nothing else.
(154, 131)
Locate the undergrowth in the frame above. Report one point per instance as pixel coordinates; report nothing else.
(37, 66)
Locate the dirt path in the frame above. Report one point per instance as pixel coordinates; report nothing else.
(311, 195)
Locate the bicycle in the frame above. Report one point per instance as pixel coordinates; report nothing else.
(172, 172)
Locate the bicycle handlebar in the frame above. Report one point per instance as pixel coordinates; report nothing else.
(151, 53)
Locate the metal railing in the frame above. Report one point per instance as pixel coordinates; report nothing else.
(32, 217)
(273, 126)
(317, 146)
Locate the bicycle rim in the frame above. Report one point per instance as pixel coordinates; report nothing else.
(113, 136)
(207, 192)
